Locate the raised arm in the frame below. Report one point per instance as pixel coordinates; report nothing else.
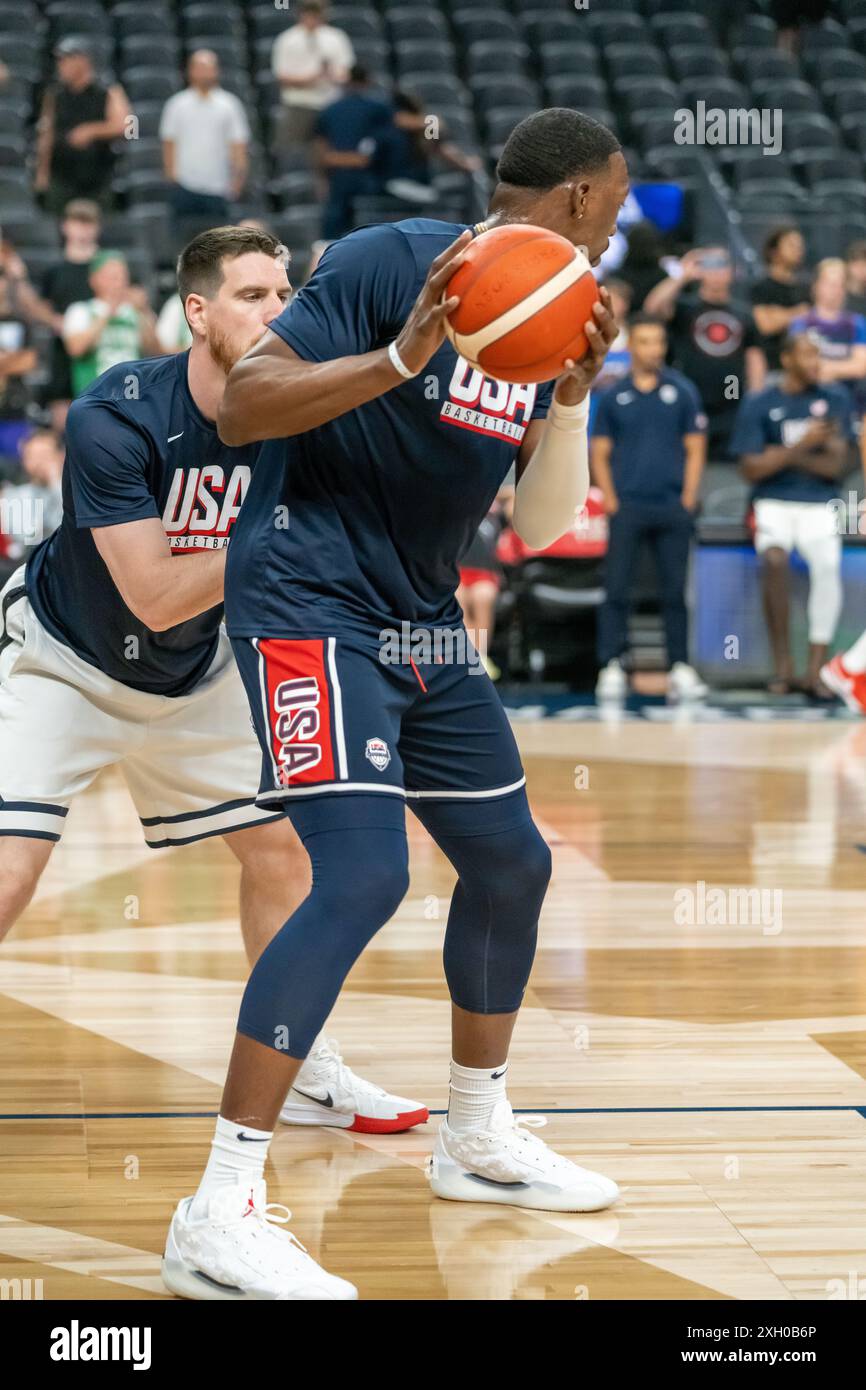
(553, 463)
(273, 393)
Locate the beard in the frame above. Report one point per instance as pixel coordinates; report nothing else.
(225, 350)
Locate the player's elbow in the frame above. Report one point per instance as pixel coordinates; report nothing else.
(535, 533)
(151, 612)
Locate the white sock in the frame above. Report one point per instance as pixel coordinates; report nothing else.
(232, 1158)
(854, 659)
(472, 1095)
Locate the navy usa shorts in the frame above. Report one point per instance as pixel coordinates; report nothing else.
(332, 716)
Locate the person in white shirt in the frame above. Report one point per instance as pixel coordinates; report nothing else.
(311, 62)
(205, 143)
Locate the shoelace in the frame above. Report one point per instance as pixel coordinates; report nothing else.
(328, 1049)
(521, 1129)
(265, 1217)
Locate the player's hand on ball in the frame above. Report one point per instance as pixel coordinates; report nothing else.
(424, 330)
(601, 330)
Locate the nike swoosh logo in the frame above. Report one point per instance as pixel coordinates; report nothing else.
(250, 1139)
(495, 1075)
(494, 1182)
(172, 437)
(328, 1101)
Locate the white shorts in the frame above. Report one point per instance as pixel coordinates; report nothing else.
(192, 762)
(807, 527)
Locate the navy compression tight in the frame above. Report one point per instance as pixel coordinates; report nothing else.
(359, 855)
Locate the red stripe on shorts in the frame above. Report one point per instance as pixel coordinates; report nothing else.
(299, 710)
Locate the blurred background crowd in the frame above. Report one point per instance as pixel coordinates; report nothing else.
(738, 272)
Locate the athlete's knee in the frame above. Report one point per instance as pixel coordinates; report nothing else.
(22, 860)
(511, 871)
(369, 888)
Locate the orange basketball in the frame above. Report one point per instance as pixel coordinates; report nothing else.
(525, 295)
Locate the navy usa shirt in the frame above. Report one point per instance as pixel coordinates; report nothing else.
(646, 430)
(137, 446)
(360, 523)
(773, 417)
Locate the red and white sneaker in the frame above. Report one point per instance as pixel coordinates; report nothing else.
(327, 1092)
(850, 686)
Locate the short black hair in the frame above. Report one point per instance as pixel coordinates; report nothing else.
(200, 263)
(789, 342)
(778, 234)
(646, 321)
(551, 146)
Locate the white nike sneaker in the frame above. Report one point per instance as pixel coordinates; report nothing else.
(612, 683)
(327, 1092)
(684, 683)
(508, 1165)
(235, 1253)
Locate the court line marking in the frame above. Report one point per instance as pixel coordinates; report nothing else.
(530, 1110)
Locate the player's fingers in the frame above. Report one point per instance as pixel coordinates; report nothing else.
(445, 257)
(436, 283)
(443, 309)
(606, 322)
(595, 338)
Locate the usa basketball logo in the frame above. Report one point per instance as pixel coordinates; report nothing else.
(378, 753)
(203, 505)
(475, 402)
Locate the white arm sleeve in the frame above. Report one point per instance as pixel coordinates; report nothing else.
(556, 479)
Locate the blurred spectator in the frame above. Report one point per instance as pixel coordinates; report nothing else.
(63, 283)
(840, 336)
(344, 143)
(205, 143)
(172, 329)
(115, 325)
(647, 455)
(31, 510)
(793, 442)
(17, 357)
(311, 61)
(78, 120)
(781, 296)
(714, 341)
(791, 14)
(855, 259)
(481, 579)
(642, 268)
(406, 148)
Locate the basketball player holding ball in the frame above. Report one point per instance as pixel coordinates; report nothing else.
(385, 450)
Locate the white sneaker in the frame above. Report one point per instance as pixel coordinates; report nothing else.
(684, 683)
(508, 1165)
(235, 1253)
(327, 1092)
(612, 683)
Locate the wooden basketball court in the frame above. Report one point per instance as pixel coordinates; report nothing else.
(705, 1047)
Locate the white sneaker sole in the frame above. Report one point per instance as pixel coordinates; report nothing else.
(841, 688)
(180, 1279)
(457, 1184)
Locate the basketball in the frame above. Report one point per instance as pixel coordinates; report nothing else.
(525, 295)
